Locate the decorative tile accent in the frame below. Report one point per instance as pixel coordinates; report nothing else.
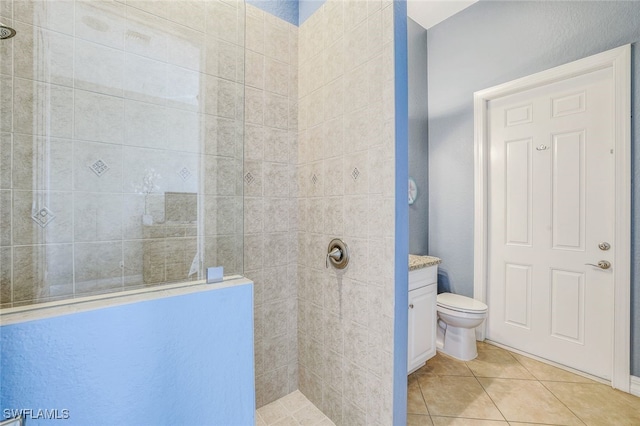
(184, 173)
(43, 217)
(355, 173)
(249, 178)
(99, 167)
(314, 179)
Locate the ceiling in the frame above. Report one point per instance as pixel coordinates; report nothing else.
(431, 12)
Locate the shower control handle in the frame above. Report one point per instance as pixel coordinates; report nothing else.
(337, 254)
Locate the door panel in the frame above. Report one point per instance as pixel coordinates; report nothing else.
(568, 191)
(551, 185)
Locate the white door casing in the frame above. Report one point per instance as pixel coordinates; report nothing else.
(616, 64)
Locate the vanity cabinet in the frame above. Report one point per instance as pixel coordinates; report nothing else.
(422, 316)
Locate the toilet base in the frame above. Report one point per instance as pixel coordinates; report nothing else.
(457, 342)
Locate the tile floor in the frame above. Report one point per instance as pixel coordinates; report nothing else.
(291, 410)
(503, 388)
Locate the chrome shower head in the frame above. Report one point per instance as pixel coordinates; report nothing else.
(6, 32)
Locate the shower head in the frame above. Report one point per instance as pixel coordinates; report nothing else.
(6, 32)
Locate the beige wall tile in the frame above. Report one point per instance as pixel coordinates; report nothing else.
(101, 22)
(145, 79)
(6, 103)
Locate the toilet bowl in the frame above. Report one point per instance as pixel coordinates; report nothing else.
(458, 317)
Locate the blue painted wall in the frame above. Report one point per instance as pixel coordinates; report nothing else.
(418, 137)
(401, 214)
(183, 360)
(307, 8)
(491, 43)
(283, 9)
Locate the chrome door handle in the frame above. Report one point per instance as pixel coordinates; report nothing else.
(603, 264)
(411, 306)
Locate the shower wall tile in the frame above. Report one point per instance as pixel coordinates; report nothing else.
(6, 9)
(254, 69)
(255, 31)
(5, 217)
(6, 160)
(41, 271)
(98, 117)
(158, 8)
(42, 109)
(26, 204)
(276, 41)
(100, 22)
(145, 79)
(42, 163)
(53, 62)
(133, 207)
(145, 33)
(222, 21)
(86, 154)
(6, 254)
(6, 103)
(145, 125)
(57, 16)
(98, 68)
(276, 145)
(222, 137)
(344, 149)
(254, 106)
(223, 59)
(6, 52)
(184, 131)
(97, 217)
(186, 89)
(98, 267)
(185, 47)
(188, 13)
(276, 77)
(276, 110)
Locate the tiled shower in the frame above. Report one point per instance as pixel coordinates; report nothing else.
(121, 145)
(142, 141)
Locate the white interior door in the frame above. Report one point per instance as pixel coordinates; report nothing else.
(551, 205)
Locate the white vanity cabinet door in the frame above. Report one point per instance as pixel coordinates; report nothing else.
(422, 326)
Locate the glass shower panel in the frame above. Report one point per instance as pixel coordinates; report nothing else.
(121, 127)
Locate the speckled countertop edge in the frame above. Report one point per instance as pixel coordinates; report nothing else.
(419, 262)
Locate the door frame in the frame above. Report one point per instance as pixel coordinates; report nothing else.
(619, 60)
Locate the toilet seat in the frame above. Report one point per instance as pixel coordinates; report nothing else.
(459, 303)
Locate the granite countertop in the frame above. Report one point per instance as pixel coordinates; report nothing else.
(419, 262)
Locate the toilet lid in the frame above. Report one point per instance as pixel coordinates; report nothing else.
(460, 303)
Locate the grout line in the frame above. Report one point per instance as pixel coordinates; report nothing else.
(562, 402)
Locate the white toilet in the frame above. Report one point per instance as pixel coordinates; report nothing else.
(458, 317)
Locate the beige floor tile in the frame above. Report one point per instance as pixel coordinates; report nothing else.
(308, 415)
(458, 421)
(294, 401)
(415, 401)
(457, 397)
(598, 404)
(418, 420)
(287, 421)
(528, 401)
(542, 371)
(259, 421)
(496, 362)
(273, 412)
(326, 422)
(443, 365)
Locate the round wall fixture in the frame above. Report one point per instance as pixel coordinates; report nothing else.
(337, 254)
(413, 191)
